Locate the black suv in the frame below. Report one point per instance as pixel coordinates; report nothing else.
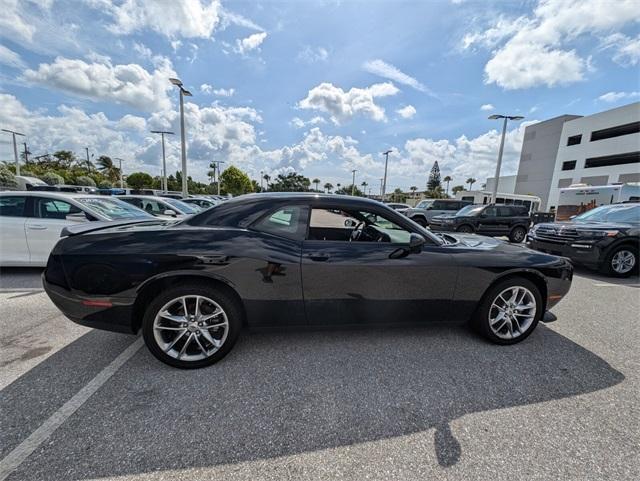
(605, 238)
(490, 219)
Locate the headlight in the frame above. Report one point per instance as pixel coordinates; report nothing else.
(597, 233)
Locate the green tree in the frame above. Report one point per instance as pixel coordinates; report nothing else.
(470, 181)
(108, 168)
(316, 182)
(235, 181)
(457, 188)
(413, 190)
(64, 158)
(434, 177)
(255, 187)
(347, 189)
(398, 196)
(139, 180)
(328, 186)
(51, 178)
(290, 182)
(86, 181)
(105, 184)
(364, 185)
(7, 178)
(448, 179)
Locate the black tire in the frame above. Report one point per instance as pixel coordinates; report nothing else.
(608, 268)
(480, 320)
(518, 234)
(229, 305)
(421, 221)
(465, 229)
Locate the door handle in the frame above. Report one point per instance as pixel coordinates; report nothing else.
(318, 257)
(37, 227)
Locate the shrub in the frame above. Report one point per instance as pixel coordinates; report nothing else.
(7, 179)
(86, 181)
(51, 178)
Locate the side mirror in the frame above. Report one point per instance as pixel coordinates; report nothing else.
(415, 243)
(572, 217)
(170, 212)
(350, 223)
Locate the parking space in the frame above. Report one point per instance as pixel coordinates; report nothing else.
(410, 403)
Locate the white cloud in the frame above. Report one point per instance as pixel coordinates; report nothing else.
(298, 123)
(533, 50)
(616, 96)
(13, 23)
(133, 122)
(252, 42)
(406, 112)
(10, 58)
(311, 55)
(221, 92)
(487, 107)
(388, 71)
(142, 50)
(128, 84)
(188, 19)
(343, 106)
(626, 49)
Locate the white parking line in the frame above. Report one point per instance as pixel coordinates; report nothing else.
(16, 457)
(607, 284)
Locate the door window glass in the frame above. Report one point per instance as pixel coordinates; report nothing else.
(58, 209)
(355, 226)
(504, 212)
(290, 222)
(490, 212)
(12, 206)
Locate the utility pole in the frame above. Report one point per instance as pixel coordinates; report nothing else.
(165, 186)
(217, 171)
(261, 175)
(88, 161)
(15, 148)
(494, 195)
(384, 182)
(26, 153)
(381, 182)
(353, 182)
(121, 179)
(183, 93)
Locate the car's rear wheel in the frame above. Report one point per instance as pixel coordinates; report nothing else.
(509, 311)
(191, 326)
(517, 234)
(465, 229)
(622, 261)
(421, 221)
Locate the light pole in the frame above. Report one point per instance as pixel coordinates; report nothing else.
(353, 182)
(261, 178)
(217, 170)
(494, 195)
(183, 93)
(384, 182)
(121, 179)
(381, 182)
(15, 148)
(88, 161)
(26, 153)
(165, 186)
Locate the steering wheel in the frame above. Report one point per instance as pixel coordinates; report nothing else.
(356, 232)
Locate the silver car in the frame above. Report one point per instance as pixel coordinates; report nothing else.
(427, 209)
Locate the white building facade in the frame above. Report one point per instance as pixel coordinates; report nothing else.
(598, 149)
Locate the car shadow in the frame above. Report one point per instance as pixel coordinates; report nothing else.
(20, 278)
(284, 393)
(631, 281)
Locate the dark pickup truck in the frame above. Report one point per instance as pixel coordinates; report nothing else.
(490, 220)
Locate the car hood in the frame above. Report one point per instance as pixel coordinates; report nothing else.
(585, 225)
(444, 216)
(482, 243)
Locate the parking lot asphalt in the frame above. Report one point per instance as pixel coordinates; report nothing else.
(435, 402)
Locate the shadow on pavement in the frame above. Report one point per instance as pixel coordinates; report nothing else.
(631, 281)
(285, 393)
(20, 278)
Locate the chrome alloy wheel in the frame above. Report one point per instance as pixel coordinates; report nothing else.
(512, 312)
(623, 261)
(190, 328)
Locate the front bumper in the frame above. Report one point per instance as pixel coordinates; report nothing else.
(106, 313)
(442, 227)
(580, 252)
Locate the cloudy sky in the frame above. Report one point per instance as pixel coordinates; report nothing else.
(319, 87)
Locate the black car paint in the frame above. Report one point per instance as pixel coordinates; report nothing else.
(482, 223)
(104, 278)
(586, 248)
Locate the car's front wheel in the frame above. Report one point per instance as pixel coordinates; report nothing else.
(622, 261)
(509, 311)
(465, 229)
(420, 221)
(191, 326)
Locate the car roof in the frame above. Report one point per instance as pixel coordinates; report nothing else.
(142, 196)
(53, 194)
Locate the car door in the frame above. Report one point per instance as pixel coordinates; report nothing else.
(51, 215)
(13, 240)
(361, 282)
(488, 223)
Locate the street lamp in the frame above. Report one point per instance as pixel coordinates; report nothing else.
(384, 182)
(164, 160)
(183, 93)
(15, 148)
(504, 132)
(353, 182)
(217, 179)
(121, 179)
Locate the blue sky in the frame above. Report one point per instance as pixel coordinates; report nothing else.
(320, 87)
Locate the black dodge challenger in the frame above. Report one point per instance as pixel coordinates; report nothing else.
(293, 260)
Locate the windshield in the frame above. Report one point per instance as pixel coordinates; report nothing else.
(182, 206)
(611, 213)
(470, 210)
(424, 204)
(113, 209)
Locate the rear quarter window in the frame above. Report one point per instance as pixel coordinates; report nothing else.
(289, 222)
(12, 206)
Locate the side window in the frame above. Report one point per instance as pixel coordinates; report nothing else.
(453, 206)
(356, 226)
(12, 206)
(289, 222)
(505, 212)
(57, 209)
(490, 212)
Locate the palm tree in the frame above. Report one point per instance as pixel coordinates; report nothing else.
(364, 187)
(108, 168)
(316, 181)
(338, 186)
(267, 178)
(328, 186)
(413, 189)
(448, 179)
(470, 181)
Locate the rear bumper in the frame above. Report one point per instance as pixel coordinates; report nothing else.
(106, 313)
